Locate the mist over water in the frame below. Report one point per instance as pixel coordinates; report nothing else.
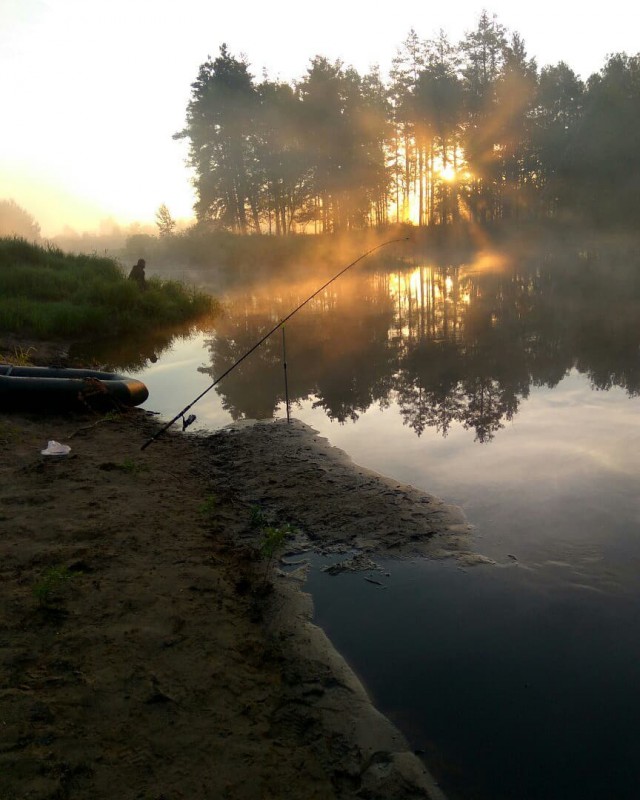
(452, 345)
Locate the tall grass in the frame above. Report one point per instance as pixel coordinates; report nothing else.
(47, 293)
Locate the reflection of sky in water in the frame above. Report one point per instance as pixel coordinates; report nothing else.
(174, 382)
(558, 483)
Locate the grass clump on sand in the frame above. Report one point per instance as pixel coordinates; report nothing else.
(51, 586)
(47, 293)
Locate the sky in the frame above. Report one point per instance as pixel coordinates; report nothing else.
(91, 91)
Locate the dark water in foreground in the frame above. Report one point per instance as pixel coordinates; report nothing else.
(512, 687)
(511, 388)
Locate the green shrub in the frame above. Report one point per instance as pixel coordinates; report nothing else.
(47, 293)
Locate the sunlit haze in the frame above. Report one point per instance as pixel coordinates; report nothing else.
(92, 91)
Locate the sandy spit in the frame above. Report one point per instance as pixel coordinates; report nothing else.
(142, 653)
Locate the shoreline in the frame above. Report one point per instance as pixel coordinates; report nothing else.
(143, 654)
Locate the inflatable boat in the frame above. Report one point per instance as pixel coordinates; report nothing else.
(45, 388)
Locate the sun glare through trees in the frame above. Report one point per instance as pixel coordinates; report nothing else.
(471, 131)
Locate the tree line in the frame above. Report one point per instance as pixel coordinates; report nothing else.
(472, 131)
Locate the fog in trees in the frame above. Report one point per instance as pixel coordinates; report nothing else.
(471, 132)
(17, 221)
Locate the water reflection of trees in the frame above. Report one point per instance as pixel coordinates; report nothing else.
(338, 351)
(451, 345)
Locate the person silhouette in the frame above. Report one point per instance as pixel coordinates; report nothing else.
(137, 274)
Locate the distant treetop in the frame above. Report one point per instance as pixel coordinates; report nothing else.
(15, 221)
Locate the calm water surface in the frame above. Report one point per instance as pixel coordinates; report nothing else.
(510, 389)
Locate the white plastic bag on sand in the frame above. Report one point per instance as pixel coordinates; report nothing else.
(56, 449)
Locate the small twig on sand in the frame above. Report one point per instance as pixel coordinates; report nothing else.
(107, 418)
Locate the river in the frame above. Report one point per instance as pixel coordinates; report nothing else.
(507, 386)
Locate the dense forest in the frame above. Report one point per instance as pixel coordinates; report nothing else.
(471, 132)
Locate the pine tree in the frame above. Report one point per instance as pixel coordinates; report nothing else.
(165, 222)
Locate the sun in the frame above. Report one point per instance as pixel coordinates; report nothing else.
(448, 173)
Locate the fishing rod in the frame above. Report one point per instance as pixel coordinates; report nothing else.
(188, 420)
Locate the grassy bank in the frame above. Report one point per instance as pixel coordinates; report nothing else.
(47, 293)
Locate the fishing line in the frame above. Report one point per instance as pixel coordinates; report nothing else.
(188, 420)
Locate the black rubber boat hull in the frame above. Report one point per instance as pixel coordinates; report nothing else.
(46, 388)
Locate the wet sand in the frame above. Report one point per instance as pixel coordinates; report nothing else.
(295, 476)
(147, 650)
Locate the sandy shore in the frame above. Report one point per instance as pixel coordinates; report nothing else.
(142, 653)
